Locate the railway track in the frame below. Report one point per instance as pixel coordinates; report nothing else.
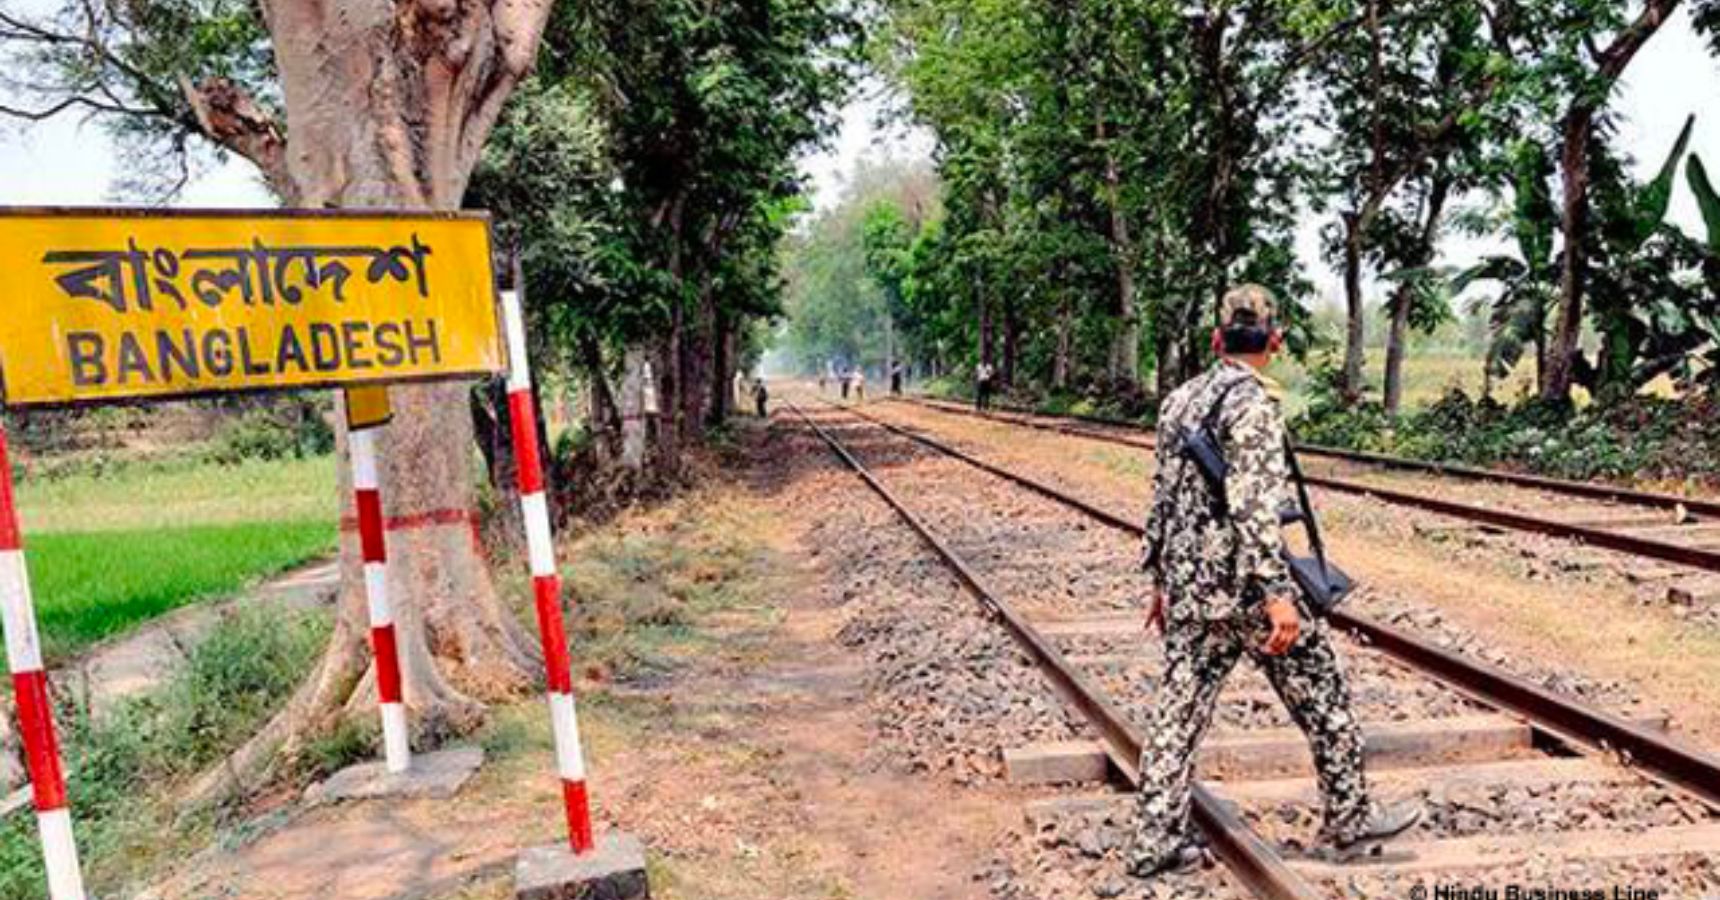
(1592, 490)
(1077, 647)
(1682, 534)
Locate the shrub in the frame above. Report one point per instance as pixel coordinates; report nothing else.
(121, 766)
(1637, 438)
(295, 430)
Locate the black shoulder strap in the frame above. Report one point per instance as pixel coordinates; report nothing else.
(1210, 420)
(1308, 520)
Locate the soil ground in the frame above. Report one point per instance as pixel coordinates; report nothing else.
(747, 762)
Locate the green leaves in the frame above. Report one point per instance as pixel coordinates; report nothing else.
(1706, 199)
(1654, 198)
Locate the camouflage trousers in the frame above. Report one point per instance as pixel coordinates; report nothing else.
(1310, 681)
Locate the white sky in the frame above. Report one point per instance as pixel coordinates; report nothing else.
(69, 162)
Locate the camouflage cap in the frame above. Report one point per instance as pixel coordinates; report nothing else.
(1253, 299)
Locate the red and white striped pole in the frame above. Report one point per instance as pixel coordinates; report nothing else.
(397, 749)
(546, 580)
(30, 692)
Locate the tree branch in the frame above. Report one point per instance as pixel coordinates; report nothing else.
(1618, 54)
(518, 27)
(231, 118)
(48, 112)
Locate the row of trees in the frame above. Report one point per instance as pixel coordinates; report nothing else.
(638, 158)
(1108, 167)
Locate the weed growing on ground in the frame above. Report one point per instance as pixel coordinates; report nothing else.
(637, 590)
(350, 741)
(124, 767)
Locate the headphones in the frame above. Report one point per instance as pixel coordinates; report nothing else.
(1245, 333)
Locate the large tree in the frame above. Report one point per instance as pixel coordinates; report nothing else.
(1594, 43)
(1410, 89)
(707, 106)
(339, 104)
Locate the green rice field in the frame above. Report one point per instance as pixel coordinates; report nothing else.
(110, 550)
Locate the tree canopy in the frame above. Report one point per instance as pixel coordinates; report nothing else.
(1109, 167)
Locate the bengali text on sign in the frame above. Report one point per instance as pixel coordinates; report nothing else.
(98, 306)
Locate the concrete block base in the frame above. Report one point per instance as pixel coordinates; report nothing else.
(436, 776)
(613, 870)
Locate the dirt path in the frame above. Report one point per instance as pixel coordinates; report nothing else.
(749, 765)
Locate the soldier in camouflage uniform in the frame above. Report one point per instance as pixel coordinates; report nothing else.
(1222, 590)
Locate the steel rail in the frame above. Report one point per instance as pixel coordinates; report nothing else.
(1250, 858)
(1588, 489)
(1684, 555)
(1666, 758)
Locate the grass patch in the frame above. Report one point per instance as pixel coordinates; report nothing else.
(92, 585)
(170, 493)
(123, 769)
(639, 589)
(116, 545)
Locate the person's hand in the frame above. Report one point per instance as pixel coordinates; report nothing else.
(1156, 613)
(1286, 625)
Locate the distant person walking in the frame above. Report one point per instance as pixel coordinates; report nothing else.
(1222, 590)
(761, 398)
(983, 374)
(859, 377)
(896, 380)
(847, 379)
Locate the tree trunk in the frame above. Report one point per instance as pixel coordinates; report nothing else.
(1578, 132)
(1170, 361)
(1355, 332)
(697, 352)
(984, 326)
(1574, 175)
(1065, 334)
(1397, 340)
(1126, 353)
(604, 415)
(388, 105)
(889, 348)
(1011, 344)
(1395, 348)
(633, 424)
(722, 385)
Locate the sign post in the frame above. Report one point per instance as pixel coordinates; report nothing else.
(367, 410)
(108, 306)
(367, 497)
(30, 692)
(546, 581)
(587, 865)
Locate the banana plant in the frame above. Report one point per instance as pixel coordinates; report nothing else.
(1637, 277)
(1704, 320)
(1528, 282)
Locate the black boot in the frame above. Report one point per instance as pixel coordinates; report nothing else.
(1189, 856)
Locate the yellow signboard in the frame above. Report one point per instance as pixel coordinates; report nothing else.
(99, 305)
